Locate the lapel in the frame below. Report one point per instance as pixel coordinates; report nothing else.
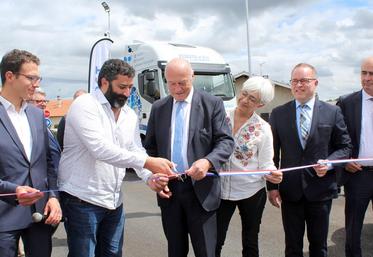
(315, 119)
(293, 122)
(357, 103)
(195, 114)
(166, 112)
(32, 123)
(4, 118)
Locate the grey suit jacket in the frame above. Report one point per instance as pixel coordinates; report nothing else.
(16, 169)
(209, 137)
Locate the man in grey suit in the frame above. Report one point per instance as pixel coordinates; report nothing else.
(189, 128)
(26, 168)
(357, 178)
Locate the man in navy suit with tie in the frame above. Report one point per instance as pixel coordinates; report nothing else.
(306, 131)
(26, 167)
(357, 178)
(189, 128)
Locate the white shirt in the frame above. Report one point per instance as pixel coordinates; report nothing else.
(366, 149)
(188, 104)
(253, 150)
(20, 123)
(97, 149)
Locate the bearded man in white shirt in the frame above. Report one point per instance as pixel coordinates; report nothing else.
(101, 140)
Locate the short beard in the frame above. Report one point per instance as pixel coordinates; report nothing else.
(115, 100)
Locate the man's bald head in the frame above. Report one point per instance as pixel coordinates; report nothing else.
(367, 75)
(179, 76)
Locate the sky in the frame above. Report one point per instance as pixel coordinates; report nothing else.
(332, 35)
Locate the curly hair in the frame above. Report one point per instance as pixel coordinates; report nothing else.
(114, 67)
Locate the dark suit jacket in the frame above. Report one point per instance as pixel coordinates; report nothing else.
(351, 106)
(55, 149)
(61, 131)
(209, 137)
(16, 169)
(328, 139)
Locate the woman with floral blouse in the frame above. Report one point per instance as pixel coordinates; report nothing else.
(253, 151)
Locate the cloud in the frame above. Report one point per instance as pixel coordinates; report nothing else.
(332, 35)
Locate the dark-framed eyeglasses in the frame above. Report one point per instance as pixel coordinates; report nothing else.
(250, 97)
(304, 81)
(38, 101)
(41, 101)
(32, 78)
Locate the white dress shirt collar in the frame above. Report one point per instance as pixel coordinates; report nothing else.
(100, 96)
(366, 96)
(188, 100)
(8, 104)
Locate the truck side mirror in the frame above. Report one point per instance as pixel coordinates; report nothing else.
(150, 75)
(150, 88)
(151, 85)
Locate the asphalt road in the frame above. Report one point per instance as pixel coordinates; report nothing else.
(144, 235)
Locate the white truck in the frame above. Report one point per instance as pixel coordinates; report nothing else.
(212, 74)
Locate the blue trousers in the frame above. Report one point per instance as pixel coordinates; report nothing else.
(92, 230)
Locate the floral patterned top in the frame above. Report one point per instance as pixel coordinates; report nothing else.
(253, 151)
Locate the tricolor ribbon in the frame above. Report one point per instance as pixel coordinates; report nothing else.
(266, 172)
(244, 172)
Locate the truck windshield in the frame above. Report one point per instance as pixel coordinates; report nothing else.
(216, 84)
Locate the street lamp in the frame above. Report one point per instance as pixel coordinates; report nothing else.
(107, 9)
(261, 64)
(248, 38)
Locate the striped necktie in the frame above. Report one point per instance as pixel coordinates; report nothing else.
(177, 149)
(304, 122)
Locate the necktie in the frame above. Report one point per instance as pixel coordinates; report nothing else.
(177, 150)
(304, 122)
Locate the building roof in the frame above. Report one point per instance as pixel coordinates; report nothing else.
(245, 74)
(58, 107)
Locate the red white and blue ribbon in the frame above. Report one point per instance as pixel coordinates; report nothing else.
(266, 172)
(246, 172)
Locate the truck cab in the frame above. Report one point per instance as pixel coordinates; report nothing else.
(211, 74)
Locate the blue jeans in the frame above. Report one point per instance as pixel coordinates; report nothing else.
(92, 230)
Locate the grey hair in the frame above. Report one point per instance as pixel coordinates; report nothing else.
(79, 92)
(262, 85)
(40, 91)
(305, 65)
